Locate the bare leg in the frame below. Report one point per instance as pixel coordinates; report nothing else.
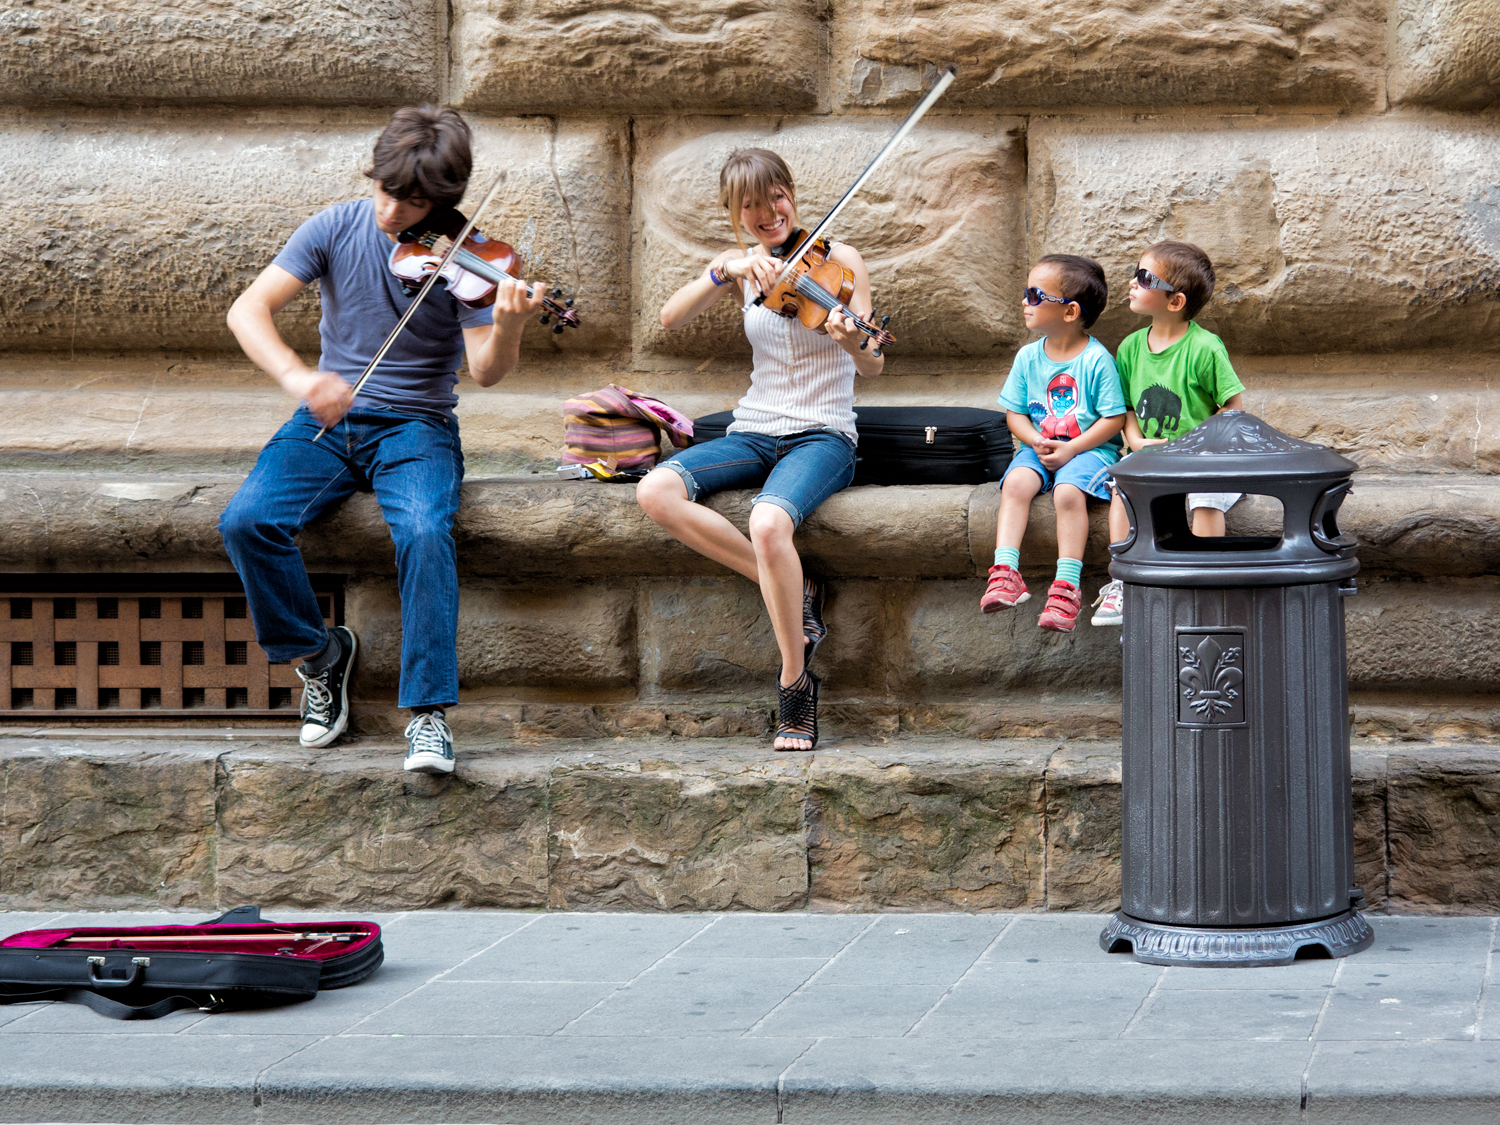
(1208, 522)
(663, 496)
(1072, 521)
(1119, 522)
(1016, 495)
(781, 585)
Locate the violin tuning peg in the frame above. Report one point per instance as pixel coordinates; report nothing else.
(569, 302)
(885, 320)
(865, 343)
(557, 292)
(558, 329)
(546, 319)
(877, 353)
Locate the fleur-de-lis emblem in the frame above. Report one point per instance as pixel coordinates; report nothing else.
(1210, 679)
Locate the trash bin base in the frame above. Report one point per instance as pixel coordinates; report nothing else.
(1156, 944)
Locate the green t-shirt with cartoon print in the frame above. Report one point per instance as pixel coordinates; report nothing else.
(1175, 390)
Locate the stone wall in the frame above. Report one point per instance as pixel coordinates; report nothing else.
(1336, 157)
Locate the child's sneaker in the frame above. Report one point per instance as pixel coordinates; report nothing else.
(429, 744)
(1006, 588)
(1064, 600)
(1111, 603)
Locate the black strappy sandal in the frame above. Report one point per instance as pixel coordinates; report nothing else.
(798, 712)
(813, 593)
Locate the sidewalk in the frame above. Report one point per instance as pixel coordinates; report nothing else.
(846, 1018)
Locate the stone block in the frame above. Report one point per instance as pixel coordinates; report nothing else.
(1018, 714)
(1368, 773)
(940, 226)
(1326, 234)
(99, 829)
(1424, 636)
(1083, 828)
(946, 649)
(1444, 830)
(1445, 53)
(654, 834)
(348, 826)
(637, 56)
(114, 275)
(259, 52)
(1054, 54)
(893, 828)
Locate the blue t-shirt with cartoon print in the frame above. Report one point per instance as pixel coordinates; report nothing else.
(1065, 399)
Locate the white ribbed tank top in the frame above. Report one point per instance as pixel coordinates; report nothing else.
(801, 380)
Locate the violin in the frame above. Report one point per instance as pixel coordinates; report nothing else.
(474, 273)
(814, 287)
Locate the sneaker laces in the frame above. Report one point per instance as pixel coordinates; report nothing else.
(1110, 587)
(428, 733)
(317, 700)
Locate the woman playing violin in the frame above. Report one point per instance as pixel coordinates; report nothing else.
(793, 433)
(399, 437)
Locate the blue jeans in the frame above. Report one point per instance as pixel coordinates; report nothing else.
(797, 472)
(414, 464)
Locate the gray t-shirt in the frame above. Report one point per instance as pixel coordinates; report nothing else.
(362, 301)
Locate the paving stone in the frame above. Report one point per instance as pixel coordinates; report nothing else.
(1011, 1000)
(585, 948)
(1379, 1000)
(1112, 53)
(1417, 939)
(1393, 263)
(887, 953)
(1042, 938)
(1400, 1083)
(638, 56)
(777, 937)
(925, 832)
(1445, 53)
(697, 996)
(1301, 976)
(941, 234)
(1288, 1014)
(448, 1007)
(884, 1011)
(256, 52)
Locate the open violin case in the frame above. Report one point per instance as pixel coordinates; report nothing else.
(914, 444)
(238, 960)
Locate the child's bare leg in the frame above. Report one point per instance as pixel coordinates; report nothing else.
(1119, 521)
(1072, 521)
(1208, 522)
(1016, 495)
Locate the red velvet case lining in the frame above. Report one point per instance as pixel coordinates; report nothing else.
(54, 939)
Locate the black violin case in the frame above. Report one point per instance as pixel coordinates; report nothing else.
(914, 444)
(238, 960)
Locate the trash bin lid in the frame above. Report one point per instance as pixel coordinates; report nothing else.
(1234, 452)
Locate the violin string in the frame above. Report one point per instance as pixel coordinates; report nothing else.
(475, 264)
(820, 296)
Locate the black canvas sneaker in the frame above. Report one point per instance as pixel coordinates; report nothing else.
(325, 694)
(429, 744)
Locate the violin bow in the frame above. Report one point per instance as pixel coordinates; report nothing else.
(907, 126)
(422, 293)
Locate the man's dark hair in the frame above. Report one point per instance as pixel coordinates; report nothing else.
(1082, 281)
(1187, 269)
(424, 151)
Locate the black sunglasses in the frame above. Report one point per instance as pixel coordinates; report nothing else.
(1034, 296)
(1148, 280)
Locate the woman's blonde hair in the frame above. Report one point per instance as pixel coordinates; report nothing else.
(749, 176)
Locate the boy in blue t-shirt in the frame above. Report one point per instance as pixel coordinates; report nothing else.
(398, 439)
(1064, 406)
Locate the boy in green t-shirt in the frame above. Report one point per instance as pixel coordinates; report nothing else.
(1176, 375)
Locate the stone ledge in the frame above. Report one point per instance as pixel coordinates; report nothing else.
(534, 528)
(933, 824)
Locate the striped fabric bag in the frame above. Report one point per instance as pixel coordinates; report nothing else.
(621, 428)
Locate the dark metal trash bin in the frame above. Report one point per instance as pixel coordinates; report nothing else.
(1238, 840)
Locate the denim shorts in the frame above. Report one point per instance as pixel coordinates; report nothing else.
(1088, 472)
(796, 472)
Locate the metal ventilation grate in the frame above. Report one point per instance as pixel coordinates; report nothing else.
(123, 654)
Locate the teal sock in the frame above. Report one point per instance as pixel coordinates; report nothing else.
(1070, 570)
(1008, 556)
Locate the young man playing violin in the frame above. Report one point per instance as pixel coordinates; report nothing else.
(793, 435)
(399, 438)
